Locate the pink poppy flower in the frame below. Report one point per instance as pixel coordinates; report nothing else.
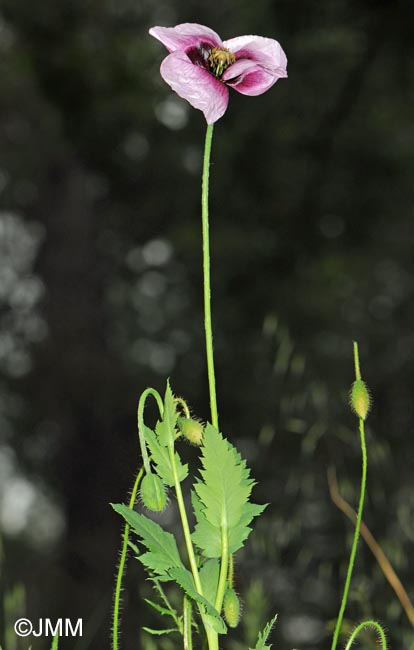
(201, 67)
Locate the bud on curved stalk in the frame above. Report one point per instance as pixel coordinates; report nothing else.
(231, 608)
(192, 430)
(153, 493)
(360, 399)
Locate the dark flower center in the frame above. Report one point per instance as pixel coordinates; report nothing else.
(214, 59)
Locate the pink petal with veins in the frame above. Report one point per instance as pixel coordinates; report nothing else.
(237, 69)
(254, 82)
(249, 78)
(265, 51)
(193, 83)
(185, 36)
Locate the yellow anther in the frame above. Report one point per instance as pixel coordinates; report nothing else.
(219, 60)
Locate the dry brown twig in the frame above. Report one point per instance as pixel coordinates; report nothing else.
(377, 551)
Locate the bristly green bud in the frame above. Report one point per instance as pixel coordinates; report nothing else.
(192, 430)
(153, 493)
(360, 399)
(231, 608)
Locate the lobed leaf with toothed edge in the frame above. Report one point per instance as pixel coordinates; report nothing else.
(221, 497)
(161, 610)
(149, 630)
(162, 552)
(263, 636)
(160, 457)
(166, 428)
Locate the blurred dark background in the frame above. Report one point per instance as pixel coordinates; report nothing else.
(100, 296)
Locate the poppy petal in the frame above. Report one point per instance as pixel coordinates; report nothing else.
(249, 78)
(195, 84)
(265, 51)
(185, 36)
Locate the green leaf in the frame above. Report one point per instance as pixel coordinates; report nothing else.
(160, 632)
(161, 458)
(185, 580)
(161, 610)
(209, 576)
(166, 428)
(134, 548)
(263, 636)
(162, 554)
(168, 609)
(221, 500)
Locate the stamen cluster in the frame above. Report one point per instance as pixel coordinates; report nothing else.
(219, 60)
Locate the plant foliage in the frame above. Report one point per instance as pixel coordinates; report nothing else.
(222, 509)
(264, 635)
(221, 497)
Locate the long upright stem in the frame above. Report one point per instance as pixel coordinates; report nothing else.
(359, 516)
(184, 522)
(211, 634)
(206, 275)
(121, 566)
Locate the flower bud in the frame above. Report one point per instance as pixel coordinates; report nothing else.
(153, 493)
(192, 430)
(360, 399)
(231, 608)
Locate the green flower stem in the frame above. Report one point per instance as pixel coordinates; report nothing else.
(206, 274)
(140, 416)
(230, 578)
(212, 636)
(184, 522)
(363, 626)
(356, 362)
(121, 566)
(181, 402)
(187, 620)
(359, 515)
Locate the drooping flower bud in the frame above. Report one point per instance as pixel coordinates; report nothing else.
(231, 608)
(192, 430)
(360, 399)
(153, 493)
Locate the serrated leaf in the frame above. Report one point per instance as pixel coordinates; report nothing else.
(222, 496)
(185, 580)
(161, 610)
(263, 636)
(208, 537)
(161, 458)
(165, 428)
(160, 632)
(134, 548)
(162, 552)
